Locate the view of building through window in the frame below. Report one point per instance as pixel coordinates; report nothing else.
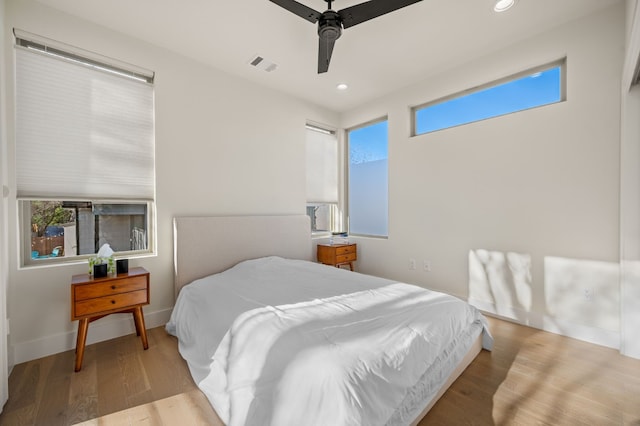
(72, 228)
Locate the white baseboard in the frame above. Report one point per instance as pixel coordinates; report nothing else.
(109, 328)
(598, 336)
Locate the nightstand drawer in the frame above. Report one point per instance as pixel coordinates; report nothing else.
(345, 249)
(112, 287)
(345, 258)
(100, 305)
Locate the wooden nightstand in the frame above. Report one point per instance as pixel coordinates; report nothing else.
(337, 254)
(94, 298)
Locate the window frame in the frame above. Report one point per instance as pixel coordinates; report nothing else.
(561, 63)
(347, 187)
(24, 220)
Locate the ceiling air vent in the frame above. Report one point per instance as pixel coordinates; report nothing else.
(262, 63)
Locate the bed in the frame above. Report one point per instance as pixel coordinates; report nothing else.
(272, 338)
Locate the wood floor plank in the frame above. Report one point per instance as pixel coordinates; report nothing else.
(111, 396)
(19, 417)
(52, 407)
(531, 378)
(83, 392)
(25, 378)
(189, 408)
(135, 378)
(165, 382)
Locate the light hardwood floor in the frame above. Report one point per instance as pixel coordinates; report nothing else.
(531, 377)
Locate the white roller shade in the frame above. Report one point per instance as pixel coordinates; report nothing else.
(81, 132)
(322, 167)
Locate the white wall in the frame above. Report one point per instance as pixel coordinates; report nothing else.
(223, 146)
(630, 225)
(630, 194)
(531, 199)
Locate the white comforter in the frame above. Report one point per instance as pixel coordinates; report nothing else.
(314, 345)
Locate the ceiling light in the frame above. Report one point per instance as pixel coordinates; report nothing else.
(342, 86)
(503, 5)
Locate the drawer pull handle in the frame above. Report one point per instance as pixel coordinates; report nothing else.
(113, 287)
(113, 302)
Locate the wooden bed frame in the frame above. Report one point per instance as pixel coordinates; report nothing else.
(212, 244)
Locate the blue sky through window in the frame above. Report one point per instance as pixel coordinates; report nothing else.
(368, 143)
(533, 90)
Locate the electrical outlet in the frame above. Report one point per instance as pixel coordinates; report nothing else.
(426, 264)
(412, 264)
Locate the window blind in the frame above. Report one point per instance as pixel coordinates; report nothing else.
(322, 166)
(81, 132)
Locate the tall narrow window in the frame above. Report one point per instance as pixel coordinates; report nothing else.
(84, 152)
(537, 87)
(322, 179)
(368, 180)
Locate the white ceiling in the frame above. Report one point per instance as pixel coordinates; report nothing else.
(375, 58)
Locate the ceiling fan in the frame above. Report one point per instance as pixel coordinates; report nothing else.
(331, 23)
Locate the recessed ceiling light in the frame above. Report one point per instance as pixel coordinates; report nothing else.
(503, 5)
(342, 86)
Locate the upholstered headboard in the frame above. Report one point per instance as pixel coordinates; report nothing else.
(207, 245)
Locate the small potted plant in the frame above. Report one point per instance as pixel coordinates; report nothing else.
(102, 264)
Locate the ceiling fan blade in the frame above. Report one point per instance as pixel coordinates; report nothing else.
(325, 49)
(299, 9)
(371, 9)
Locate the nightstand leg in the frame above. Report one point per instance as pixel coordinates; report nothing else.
(139, 320)
(135, 321)
(83, 326)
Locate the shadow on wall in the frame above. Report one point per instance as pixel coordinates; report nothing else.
(501, 283)
(581, 298)
(584, 295)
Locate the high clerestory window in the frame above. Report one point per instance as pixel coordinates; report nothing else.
(84, 146)
(530, 89)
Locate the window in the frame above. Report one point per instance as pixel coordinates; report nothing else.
(74, 228)
(533, 88)
(322, 179)
(368, 179)
(85, 171)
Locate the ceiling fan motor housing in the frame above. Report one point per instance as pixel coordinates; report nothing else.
(330, 26)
